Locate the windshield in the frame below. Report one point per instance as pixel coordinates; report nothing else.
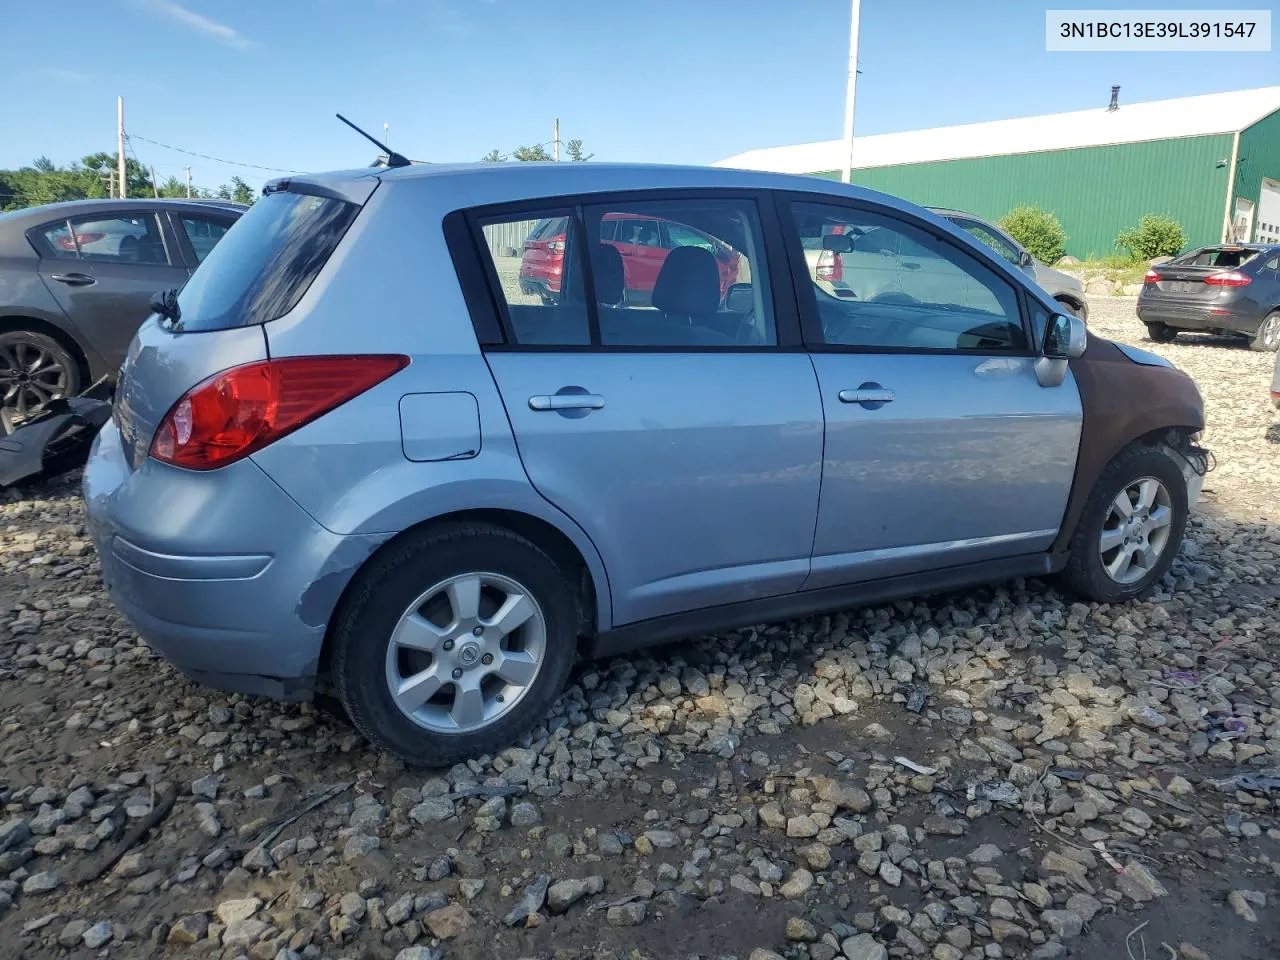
(266, 262)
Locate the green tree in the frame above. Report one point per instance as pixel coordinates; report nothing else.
(493, 156)
(241, 192)
(538, 152)
(575, 151)
(224, 192)
(1155, 236)
(173, 188)
(1038, 231)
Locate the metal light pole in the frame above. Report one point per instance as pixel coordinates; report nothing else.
(120, 144)
(846, 173)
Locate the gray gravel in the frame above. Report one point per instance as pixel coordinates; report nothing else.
(1078, 772)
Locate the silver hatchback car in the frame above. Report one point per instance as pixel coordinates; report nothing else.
(427, 434)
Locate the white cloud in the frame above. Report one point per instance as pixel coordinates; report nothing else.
(195, 21)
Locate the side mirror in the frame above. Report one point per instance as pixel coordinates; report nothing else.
(1024, 260)
(1065, 337)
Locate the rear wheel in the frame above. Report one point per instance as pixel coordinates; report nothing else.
(34, 369)
(1161, 332)
(1267, 339)
(1131, 528)
(454, 643)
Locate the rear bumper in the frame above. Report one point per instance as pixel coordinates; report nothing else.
(221, 573)
(1194, 316)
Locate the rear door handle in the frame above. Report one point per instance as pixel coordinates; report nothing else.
(871, 396)
(567, 401)
(74, 279)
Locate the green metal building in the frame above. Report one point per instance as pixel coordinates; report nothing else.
(1212, 162)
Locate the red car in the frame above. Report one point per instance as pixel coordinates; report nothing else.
(644, 243)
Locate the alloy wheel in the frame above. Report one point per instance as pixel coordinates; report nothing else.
(1135, 530)
(30, 377)
(465, 652)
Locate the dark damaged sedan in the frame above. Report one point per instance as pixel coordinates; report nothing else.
(1223, 289)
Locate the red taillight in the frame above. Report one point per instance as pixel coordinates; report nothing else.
(557, 244)
(1151, 277)
(1232, 278)
(243, 409)
(829, 267)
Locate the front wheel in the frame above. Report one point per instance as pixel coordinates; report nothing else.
(454, 643)
(1267, 339)
(1161, 332)
(1131, 528)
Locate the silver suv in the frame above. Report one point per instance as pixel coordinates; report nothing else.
(360, 452)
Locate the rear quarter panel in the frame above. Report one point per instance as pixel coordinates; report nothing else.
(390, 287)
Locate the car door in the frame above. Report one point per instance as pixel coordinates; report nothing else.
(941, 446)
(103, 268)
(691, 461)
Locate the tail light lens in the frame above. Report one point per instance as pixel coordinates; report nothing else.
(1151, 277)
(1232, 278)
(245, 408)
(829, 267)
(557, 244)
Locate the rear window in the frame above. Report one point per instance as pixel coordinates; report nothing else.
(266, 262)
(1216, 257)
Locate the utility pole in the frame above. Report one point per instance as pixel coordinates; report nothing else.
(124, 191)
(155, 185)
(188, 183)
(846, 174)
(555, 139)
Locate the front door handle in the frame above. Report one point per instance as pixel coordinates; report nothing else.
(869, 395)
(74, 279)
(567, 401)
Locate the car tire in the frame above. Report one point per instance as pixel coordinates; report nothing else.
(378, 644)
(1162, 332)
(1267, 339)
(1094, 569)
(58, 373)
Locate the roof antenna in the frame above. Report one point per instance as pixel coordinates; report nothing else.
(1115, 99)
(393, 159)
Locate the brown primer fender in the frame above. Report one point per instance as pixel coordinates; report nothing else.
(1121, 401)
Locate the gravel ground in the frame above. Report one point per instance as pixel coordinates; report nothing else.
(734, 797)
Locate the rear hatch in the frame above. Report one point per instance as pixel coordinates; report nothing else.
(1199, 276)
(260, 271)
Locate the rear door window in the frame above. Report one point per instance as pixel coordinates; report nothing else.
(665, 275)
(122, 238)
(203, 234)
(263, 266)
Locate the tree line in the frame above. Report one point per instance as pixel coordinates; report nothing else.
(46, 182)
(539, 152)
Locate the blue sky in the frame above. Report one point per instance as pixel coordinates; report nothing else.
(686, 81)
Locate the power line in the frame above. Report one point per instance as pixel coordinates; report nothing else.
(205, 156)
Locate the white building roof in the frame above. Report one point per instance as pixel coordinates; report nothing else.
(1130, 123)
